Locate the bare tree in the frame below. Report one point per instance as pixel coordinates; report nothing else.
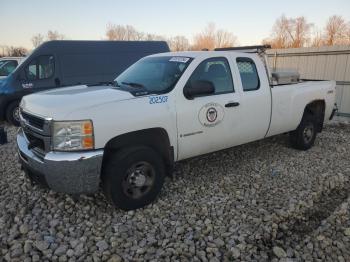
(317, 39)
(279, 35)
(54, 35)
(128, 33)
(179, 43)
(120, 32)
(2, 49)
(37, 40)
(205, 39)
(290, 32)
(16, 51)
(336, 31)
(153, 37)
(225, 39)
(347, 34)
(301, 32)
(211, 38)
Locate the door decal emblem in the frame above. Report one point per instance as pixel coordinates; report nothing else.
(211, 114)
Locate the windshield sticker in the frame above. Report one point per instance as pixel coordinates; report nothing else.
(158, 99)
(179, 59)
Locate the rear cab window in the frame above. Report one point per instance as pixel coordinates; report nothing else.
(248, 73)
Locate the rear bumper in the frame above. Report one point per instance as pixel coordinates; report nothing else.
(67, 172)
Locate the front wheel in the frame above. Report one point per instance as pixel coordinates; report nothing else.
(12, 113)
(132, 178)
(304, 136)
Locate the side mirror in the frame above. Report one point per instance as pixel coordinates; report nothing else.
(199, 88)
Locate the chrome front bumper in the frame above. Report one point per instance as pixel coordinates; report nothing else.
(67, 172)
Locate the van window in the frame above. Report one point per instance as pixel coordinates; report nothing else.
(42, 67)
(249, 75)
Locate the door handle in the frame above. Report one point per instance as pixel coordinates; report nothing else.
(232, 104)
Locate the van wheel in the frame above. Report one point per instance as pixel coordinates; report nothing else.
(304, 136)
(12, 113)
(132, 178)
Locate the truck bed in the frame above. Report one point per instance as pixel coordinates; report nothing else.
(289, 101)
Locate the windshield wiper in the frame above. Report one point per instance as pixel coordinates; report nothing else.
(133, 84)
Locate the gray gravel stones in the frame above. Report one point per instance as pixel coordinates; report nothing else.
(279, 252)
(102, 245)
(41, 245)
(61, 250)
(263, 201)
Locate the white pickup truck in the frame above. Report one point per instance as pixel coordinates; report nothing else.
(164, 108)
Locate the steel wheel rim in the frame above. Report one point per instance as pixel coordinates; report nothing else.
(15, 114)
(308, 133)
(139, 180)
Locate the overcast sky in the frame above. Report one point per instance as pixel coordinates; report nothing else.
(250, 21)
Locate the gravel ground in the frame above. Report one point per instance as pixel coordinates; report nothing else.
(262, 201)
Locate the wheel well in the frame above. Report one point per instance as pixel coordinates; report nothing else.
(155, 138)
(317, 108)
(8, 103)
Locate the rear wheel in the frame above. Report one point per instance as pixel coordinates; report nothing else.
(12, 113)
(304, 136)
(132, 178)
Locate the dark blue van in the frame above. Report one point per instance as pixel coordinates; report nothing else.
(57, 64)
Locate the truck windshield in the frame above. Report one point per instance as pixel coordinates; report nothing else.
(153, 75)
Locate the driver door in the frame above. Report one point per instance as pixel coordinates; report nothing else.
(206, 124)
(40, 74)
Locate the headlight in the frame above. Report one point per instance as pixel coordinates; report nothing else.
(73, 136)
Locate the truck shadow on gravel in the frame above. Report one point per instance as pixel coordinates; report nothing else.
(295, 229)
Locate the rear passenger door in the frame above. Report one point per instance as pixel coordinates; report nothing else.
(255, 103)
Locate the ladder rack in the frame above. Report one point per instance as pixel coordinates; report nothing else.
(248, 49)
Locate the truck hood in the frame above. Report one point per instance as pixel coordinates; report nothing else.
(58, 103)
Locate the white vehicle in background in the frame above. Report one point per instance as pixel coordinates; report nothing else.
(164, 108)
(8, 65)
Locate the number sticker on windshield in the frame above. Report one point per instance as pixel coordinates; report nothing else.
(158, 99)
(179, 59)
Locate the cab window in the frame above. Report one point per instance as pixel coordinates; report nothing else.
(42, 67)
(217, 71)
(249, 74)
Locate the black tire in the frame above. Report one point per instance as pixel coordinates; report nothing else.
(304, 136)
(132, 178)
(12, 113)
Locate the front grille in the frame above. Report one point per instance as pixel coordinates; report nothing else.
(33, 120)
(37, 131)
(35, 142)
